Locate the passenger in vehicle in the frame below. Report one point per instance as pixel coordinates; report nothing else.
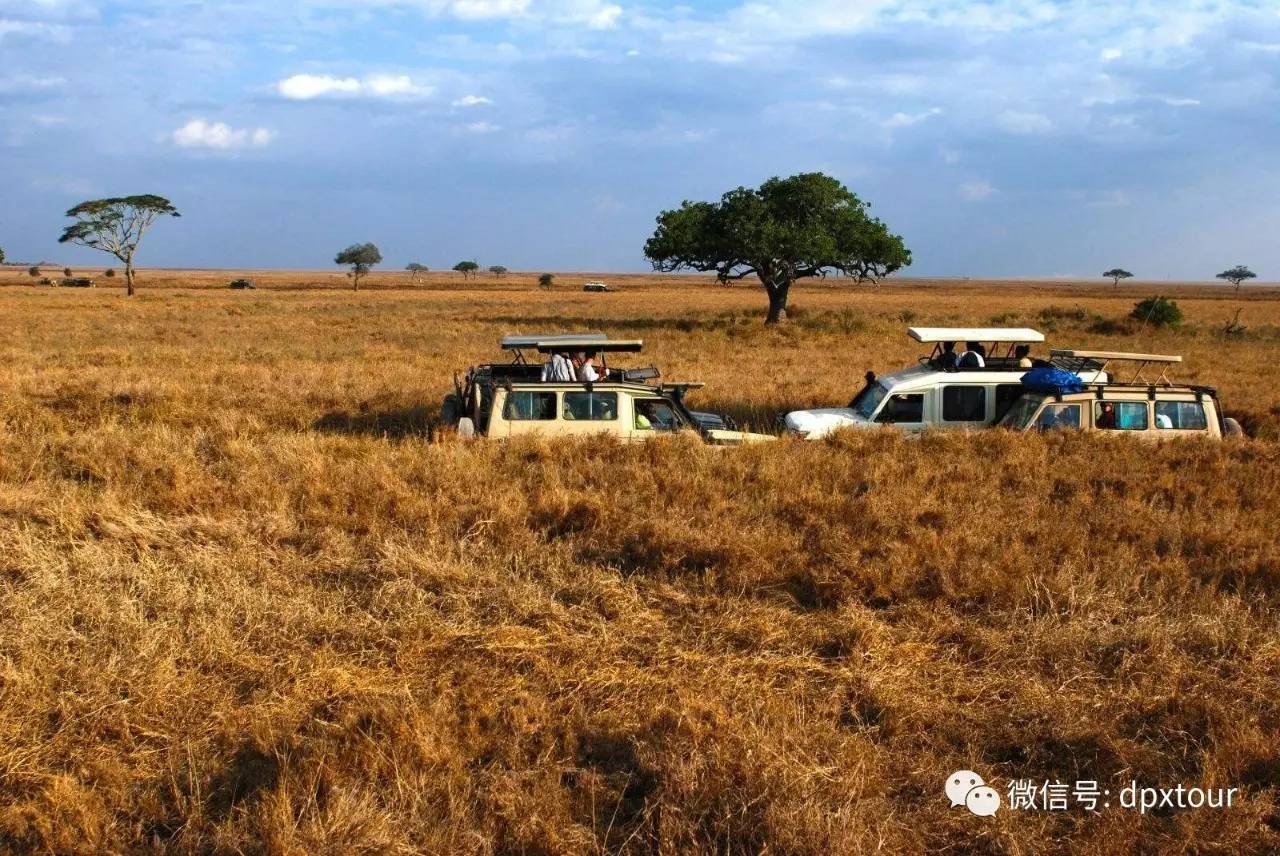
(948, 361)
(1106, 416)
(1023, 354)
(972, 357)
(558, 369)
(586, 369)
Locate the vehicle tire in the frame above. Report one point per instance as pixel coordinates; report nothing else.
(451, 410)
(1233, 428)
(466, 428)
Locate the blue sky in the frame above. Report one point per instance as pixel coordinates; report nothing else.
(1001, 138)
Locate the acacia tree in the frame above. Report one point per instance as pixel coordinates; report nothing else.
(498, 270)
(33, 271)
(361, 257)
(547, 280)
(467, 268)
(1236, 275)
(414, 268)
(1, 255)
(790, 228)
(116, 226)
(1117, 274)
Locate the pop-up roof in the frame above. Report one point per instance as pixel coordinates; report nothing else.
(1014, 335)
(514, 343)
(601, 345)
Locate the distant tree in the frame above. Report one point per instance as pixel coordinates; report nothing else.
(1, 255)
(467, 268)
(547, 280)
(498, 270)
(790, 228)
(1237, 275)
(361, 258)
(414, 268)
(116, 226)
(1117, 274)
(109, 273)
(67, 272)
(33, 271)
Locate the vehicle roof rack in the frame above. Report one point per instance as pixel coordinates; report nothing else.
(515, 343)
(1015, 335)
(1163, 361)
(580, 343)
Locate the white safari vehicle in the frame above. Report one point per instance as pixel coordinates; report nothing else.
(935, 393)
(503, 400)
(1135, 406)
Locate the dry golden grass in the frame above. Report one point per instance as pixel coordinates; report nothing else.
(250, 607)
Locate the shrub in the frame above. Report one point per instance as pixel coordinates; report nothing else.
(109, 273)
(1111, 327)
(547, 280)
(1157, 311)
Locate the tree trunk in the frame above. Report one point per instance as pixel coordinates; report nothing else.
(128, 277)
(778, 291)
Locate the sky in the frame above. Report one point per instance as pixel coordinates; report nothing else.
(1004, 138)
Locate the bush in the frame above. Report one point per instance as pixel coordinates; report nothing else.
(1062, 313)
(1158, 312)
(109, 273)
(1111, 327)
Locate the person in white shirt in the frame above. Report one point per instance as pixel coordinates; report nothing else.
(972, 357)
(558, 369)
(586, 368)
(1023, 355)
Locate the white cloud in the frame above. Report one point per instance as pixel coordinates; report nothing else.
(1019, 122)
(482, 128)
(1181, 102)
(24, 84)
(906, 120)
(976, 191)
(201, 134)
(471, 101)
(593, 14)
(308, 87)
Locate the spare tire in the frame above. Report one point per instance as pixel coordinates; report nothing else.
(1232, 428)
(451, 410)
(466, 428)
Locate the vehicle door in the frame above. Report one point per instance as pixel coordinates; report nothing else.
(652, 417)
(519, 412)
(965, 405)
(905, 411)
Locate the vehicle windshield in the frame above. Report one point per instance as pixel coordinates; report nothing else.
(1020, 414)
(869, 399)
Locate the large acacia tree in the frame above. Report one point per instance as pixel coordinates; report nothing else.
(790, 228)
(361, 258)
(116, 226)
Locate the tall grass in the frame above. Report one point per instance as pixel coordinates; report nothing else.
(250, 607)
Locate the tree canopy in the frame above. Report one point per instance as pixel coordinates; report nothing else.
(808, 225)
(467, 268)
(415, 268)
(547, 280)
(498, 270)
(1117, 274)
(1, 255)
(116, 225)
(1237, 275)
(361, 257)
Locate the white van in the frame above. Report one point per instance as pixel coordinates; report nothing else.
(928, 395)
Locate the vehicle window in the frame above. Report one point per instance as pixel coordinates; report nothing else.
(907, 408)
(592, 406)
(1059, 417)
(964, 404)
(1021, 412)
(1181, 415)
(1006, 395)
(526, 406)
(655, 415)
(868, 400)
(1120, 415)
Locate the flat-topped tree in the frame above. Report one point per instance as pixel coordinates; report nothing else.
(547, 280)
(790, 228)
(1117, 274)
(1237, 275)
(116, 226)
(498, 270)
(361, 258)
(467, 268)
(414, 268)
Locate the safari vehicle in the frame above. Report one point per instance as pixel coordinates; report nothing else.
(241, 284)
(927, 395)
(596, 286)
(78, 282)
(503, 400)
(1134, 406)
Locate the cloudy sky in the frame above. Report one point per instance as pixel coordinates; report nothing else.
(1001, 138)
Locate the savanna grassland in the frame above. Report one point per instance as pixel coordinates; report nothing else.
(251, 604)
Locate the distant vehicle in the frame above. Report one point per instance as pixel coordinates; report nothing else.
(239, 284)
(1155, 409)
(503, 400)
(78, 282)
(927, 396)
(596, 285)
